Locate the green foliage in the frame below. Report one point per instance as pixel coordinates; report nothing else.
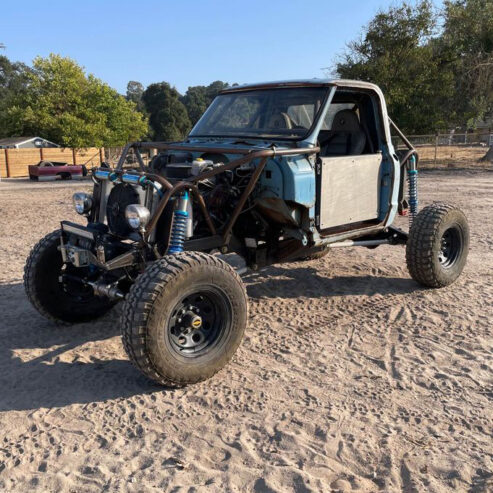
(467, 41)
(64, 105)
(436, 70)
(395, 52)
(134, 94)
(14, 80)
(168, 116)
(198, 98)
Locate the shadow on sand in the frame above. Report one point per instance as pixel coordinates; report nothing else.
(35, 371)
(292, 282)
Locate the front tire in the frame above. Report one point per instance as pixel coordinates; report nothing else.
(438, 245)
(184, 318)
(61, 302)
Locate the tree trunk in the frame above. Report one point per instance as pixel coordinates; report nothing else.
(488, 156)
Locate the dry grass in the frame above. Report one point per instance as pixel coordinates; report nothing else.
(456, 156)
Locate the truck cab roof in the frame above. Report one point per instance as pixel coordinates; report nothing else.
(304, 83)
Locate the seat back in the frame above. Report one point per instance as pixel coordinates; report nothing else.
(346, 138)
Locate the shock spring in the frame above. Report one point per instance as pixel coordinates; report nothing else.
(179, 226)
(412, 179)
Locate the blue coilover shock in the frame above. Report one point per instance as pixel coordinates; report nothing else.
(412, 178)
(179, 226)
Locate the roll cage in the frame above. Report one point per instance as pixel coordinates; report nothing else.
(246, 155)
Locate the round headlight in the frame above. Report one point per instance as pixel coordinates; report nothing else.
(137, 216)
(82, 202)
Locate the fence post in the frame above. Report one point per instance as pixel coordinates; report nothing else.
(101, 159)
(41, 157)
(7, 164)
(436, 148)
(74, 156)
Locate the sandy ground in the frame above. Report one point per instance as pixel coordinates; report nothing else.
(350, 377)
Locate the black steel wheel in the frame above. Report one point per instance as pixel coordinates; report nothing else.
(184, 318)
(438, 245)
(198, 321)
(53, 288)
(451, 246)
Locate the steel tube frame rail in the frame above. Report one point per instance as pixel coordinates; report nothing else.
(406, 141)
(190, 184)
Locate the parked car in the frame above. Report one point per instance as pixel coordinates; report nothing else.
(272, 172)
(53, 170)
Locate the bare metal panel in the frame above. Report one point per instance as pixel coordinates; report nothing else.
(350, 189)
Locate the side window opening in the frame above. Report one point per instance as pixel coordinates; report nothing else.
(349, 127)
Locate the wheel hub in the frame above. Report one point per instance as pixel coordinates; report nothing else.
(192, 320)
(450, 247)
(196, 323)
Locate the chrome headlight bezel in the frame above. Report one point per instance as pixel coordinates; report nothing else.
(82, 202)
(137, 216)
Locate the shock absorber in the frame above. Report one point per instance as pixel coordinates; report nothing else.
(179, 226)
(412, 178)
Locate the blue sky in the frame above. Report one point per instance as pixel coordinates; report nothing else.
(188, 42)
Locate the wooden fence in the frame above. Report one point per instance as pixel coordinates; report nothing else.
(14, 162)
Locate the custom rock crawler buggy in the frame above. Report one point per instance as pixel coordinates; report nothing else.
(272, 172)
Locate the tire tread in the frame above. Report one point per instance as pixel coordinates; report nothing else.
(422, 236)
(139, 303)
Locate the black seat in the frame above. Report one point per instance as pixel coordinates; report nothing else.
(346, 138)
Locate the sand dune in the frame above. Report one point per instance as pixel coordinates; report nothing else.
(350, 378)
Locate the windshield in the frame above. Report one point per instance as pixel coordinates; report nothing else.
(286, 113)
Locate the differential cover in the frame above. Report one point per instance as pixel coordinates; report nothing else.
(122, 195)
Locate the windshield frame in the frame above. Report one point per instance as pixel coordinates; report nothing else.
(265, 137)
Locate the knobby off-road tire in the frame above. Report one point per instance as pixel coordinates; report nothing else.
(438, 245)
(160, 325)
(71, 302)
(316, 256)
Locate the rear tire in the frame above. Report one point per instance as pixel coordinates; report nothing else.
(184, 318)
(438, 244)
(56, 301)
(316, 255)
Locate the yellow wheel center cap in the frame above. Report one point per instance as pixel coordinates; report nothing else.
(197, 322)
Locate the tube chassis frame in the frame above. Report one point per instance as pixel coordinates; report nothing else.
(247, 155)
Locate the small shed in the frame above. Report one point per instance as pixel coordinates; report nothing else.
(26, 143)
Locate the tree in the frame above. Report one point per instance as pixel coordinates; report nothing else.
(168, 116)
(64, 105)
(134, 94)
(433, 77)
(488, 156)
(467, 40)
(397, 53)
(14, 80)
(198, 98)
